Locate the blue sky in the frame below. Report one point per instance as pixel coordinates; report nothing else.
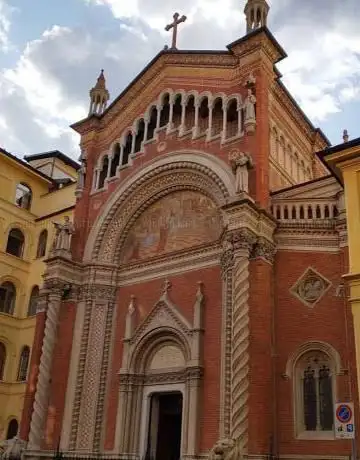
(51, 52)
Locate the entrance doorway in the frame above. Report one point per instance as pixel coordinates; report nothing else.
(165, 421)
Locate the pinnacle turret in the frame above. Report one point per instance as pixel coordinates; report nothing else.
(256, 12)
(99, 96)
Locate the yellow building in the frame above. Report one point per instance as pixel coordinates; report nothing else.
(344, 162)
(34, 194)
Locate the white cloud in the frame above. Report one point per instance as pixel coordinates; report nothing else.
(48, 87)
(5, 13)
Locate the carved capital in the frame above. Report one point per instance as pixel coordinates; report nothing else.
(54, 287)
(243, 239)
(264, 249)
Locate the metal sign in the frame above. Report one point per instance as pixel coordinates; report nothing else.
(344, 421)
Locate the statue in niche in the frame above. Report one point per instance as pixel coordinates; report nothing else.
(63, 235)
(241, 163)
(81, 175)
(250, 101)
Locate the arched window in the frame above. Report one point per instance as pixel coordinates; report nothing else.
(41, 249)
(15, 242)
(177, 111)
(23, 196)
(232, 119)
(165, 111)
(33, 301)
(314, 392)
(12, 429)
(218, 116)
(115, 160)
(140, 133)
(7, 298)
(204, 115)
(2, 360)
(23, 364)
(293, 212)
(190, 113)
(318, 212)
(127, 149)
(103, 172)
(152, 123)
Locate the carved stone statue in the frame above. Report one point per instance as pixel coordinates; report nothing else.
(64, 232)
(250, 102)
(241, 163)
(226, 449)
(12, 449)
(81, 175)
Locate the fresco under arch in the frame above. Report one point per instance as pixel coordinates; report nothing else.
(178, 221)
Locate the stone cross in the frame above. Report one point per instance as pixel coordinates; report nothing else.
(174, 26)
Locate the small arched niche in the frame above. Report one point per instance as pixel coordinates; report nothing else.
(167, 356)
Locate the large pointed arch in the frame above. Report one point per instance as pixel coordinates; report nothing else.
(183, 170)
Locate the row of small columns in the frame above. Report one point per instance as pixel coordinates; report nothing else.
(170, 129)
(305, 211)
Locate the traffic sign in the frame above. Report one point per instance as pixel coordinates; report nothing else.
(344, 421)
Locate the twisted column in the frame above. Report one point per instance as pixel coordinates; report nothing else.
(39, 414)
(240, 345)
(242, 242)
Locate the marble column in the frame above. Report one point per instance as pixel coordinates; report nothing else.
(235, 368)
(182, 128)
(224, 130)
(242, 244)
(209, 130)
(171, 114)
(38, 419)
(195, 130)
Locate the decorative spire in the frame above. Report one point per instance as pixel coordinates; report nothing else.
(99, 96)
(256, 12)
(345, 136)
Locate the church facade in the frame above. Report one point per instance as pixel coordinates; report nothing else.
(193, 310)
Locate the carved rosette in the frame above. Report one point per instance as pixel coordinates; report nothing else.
(42, 389)
(264, 249)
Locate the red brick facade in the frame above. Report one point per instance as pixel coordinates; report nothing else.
(279, 323)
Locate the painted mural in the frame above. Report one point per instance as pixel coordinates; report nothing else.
(178, 221)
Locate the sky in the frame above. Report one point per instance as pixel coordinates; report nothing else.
(51, 52)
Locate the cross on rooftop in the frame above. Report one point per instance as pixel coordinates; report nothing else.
(174, 25)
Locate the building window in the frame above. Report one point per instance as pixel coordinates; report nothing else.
(7, 298)
(33, 301)
(2, 360)
(23, 196)
(23, 364)
(15, 243)
(314, 393)
(41, 249)
(12, 429)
